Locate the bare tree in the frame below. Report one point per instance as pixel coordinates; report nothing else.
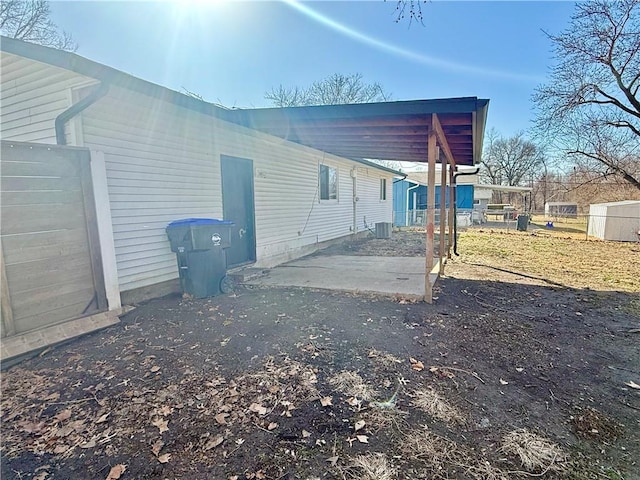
(590, 108)
(30, 20)
(335, 89)
(411, 9)
(509, 161)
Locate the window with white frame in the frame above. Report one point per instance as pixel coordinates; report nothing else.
(328, 183)
(383, 189)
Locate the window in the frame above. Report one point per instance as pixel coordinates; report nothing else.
(328, 183)
(383, 189)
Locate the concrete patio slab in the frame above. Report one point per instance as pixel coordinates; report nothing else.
(391, 276)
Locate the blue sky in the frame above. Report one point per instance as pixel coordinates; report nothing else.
(232, 52)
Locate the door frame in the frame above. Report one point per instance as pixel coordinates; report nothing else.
(252, 206)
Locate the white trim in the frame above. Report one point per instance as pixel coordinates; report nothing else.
(105, 229)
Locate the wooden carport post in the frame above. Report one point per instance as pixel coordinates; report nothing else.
(443, 211)
(432, 151)
(452, 203)
(444, 145)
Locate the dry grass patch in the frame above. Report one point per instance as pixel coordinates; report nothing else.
(536, 454)
(573, 262)
(383, 358)
(442, 459)
(371, 466)
(352, 385)
(431, 402)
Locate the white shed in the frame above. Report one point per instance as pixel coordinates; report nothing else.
(618, 221)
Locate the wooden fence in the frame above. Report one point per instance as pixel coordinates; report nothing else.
(49, 253)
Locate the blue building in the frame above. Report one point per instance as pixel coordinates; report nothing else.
(410, 201)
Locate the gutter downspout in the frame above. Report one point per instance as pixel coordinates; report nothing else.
(75, 109)
(455, 208)
(407, 209)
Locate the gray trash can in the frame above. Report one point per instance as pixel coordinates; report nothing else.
(523, 221)
(199, 245)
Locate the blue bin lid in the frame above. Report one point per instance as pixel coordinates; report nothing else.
(198, 221)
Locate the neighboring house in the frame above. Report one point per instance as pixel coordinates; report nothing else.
(167, 156)
(410, 201)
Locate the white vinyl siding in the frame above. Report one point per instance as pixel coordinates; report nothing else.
(32, 95)
(163, 163)
(370, 209)
(160, 167)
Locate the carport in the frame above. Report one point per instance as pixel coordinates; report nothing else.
(446, 131)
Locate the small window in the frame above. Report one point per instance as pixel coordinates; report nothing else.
(383, 189)
(328, 183)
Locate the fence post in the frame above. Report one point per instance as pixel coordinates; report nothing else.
(586, 230)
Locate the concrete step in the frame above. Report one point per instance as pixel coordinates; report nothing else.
(247, 274)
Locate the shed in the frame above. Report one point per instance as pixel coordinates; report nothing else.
(619, 221)
(561, 209)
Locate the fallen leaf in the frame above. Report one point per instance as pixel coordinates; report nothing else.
(519, 369)
(260, 475)
(326, 401)
(157, 447)
(257, 408)
(60, 449)
(362, 438)
(116, 471)
(164, 458)
(359, 425)
(161, 424)
(333, 460)
(165, 410)
(503, 382)
(63, 415)
(305, 434)
(154, 369)
(220, 418)
(103, 418)
(89, 444)
(418, 366)
(214, 442)
(633, 385)
(41, 476)
(272, 426)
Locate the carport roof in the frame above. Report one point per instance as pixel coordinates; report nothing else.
(384, 131)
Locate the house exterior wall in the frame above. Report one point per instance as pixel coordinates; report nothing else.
(33, 94)
(162, 163)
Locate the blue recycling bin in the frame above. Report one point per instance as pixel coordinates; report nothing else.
(199, 244)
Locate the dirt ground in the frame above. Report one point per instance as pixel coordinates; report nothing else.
(504, 377)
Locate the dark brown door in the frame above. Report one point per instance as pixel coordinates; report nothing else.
(238, 207)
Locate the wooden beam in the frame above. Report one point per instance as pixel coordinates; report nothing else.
(443, 212)
(431, 214)
(442, 139)
(8, 325)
